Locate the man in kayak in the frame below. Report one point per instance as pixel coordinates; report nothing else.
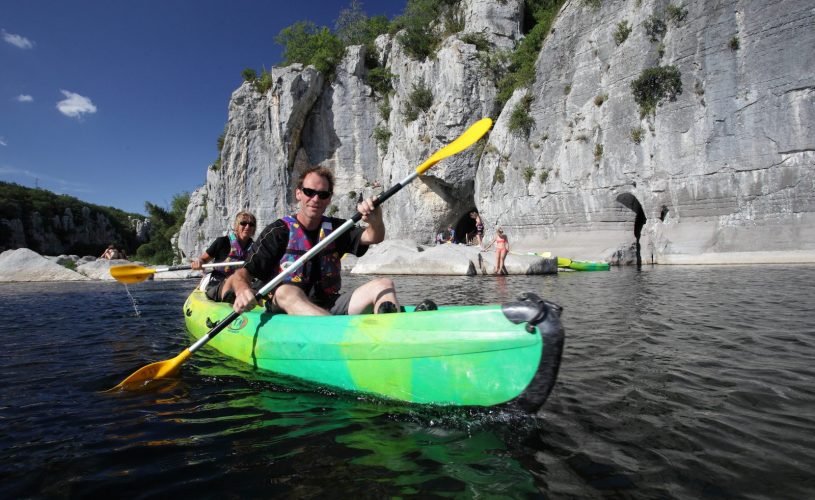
(313, 289)
(232, 247)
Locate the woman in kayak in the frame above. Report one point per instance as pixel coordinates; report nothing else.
(232, 247)
(501, 250)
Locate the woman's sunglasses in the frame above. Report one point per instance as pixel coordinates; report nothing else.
(247, 223)
(323, 195)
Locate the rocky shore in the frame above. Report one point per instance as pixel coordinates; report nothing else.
(23, 265)
(389, 257)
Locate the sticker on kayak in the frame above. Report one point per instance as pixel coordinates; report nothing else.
(238, 324)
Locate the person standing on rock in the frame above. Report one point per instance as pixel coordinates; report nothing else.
(232, 247)
(501, 242)
(314, 289)
(479, 228)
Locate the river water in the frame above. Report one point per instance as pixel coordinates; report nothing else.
(676, 382)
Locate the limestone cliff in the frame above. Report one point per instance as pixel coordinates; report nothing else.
(724, 172)
(56, 224)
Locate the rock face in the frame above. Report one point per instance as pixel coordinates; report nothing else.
(48, 223)
(726, 165)
(259, 158)
(23, 264)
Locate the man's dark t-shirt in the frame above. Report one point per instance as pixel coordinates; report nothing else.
(270, 247)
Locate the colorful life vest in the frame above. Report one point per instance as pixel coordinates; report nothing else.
(328, 259)
(236, 252)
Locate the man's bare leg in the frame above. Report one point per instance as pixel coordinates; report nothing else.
(373, 293)
(293, 300)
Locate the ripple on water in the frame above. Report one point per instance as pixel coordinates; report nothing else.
(675, 383)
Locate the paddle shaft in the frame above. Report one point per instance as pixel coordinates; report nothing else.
(302, 260)
(238, 263)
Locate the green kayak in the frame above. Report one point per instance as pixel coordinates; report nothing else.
(459, 355)
(589, 265)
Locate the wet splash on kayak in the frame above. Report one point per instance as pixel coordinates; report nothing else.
(675, 383)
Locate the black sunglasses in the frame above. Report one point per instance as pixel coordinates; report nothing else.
(323, 195)
(246, 223)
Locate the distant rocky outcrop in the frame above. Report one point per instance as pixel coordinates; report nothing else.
(55, 224)
(723, 173)
(23, 264)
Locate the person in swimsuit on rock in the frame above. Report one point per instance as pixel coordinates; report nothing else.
(501, 242)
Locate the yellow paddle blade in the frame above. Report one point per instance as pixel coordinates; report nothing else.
(131, 273)
(563, 262)
(153, 371)
(464, 141)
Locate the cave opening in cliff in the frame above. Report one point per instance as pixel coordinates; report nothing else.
(465, 226)
(631, 202)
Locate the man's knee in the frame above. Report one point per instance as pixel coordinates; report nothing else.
(285, 295)
(384, 283)
(382, 287)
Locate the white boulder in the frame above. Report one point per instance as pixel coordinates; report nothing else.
(23, 264)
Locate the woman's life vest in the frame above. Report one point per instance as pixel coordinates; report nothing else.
(328, 259)
(236, 252)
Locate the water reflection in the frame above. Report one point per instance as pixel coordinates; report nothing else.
(675, 382)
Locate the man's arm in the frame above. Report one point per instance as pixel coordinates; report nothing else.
(375, 232)
(244, 295)
(261, 264)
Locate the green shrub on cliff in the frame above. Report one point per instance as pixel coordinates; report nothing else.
(539, 15)
(419, 25)
(419, 100)
(520, 121)
(654, 85)
(305, 43)
(621, 33)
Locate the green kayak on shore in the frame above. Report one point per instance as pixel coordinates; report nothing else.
(577, 265)
(459, 355)
(589, 265)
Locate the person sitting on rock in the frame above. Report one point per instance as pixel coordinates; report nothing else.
(451, 235)
(232, 247)
(110, 253)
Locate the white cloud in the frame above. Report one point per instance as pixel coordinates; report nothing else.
(18, 40)
(24, 98)
(3, 141)
(75, 105)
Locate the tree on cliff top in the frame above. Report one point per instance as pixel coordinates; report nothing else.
(164, 224)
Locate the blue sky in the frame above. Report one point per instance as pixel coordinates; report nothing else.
(120, 102)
